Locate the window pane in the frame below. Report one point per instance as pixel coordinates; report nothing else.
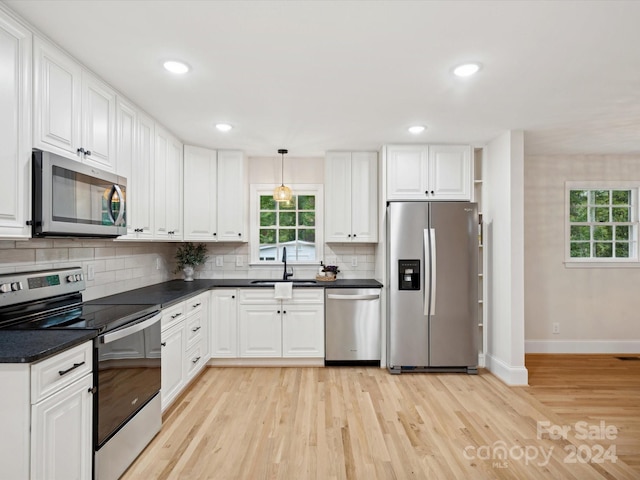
(578, 214)
(267, 219)
(600, 197)
(287, 219)
(581, 250)
(622, 233)
(603, 233)
(622, 250)
(600, 214)
(603, 250)
(306, 202)
(290, 205)
(267, 202)
(578, 197)
(307, 235)
(620, 214)
(267, 236)
(286, 235)
(621, 197)
(580, 232)
(306, 219)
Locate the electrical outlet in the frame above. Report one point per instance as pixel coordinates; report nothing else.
(91, 272)
(354, 261)
(219, 261)
(239, 261)
(555, 329)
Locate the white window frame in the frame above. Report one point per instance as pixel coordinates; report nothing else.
(258, 189)
(634, 258)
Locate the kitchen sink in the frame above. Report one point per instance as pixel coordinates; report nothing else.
(273, 282)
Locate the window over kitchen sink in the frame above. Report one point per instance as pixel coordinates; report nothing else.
(296, 225)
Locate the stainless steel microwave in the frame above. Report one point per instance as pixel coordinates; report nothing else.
(72, 199)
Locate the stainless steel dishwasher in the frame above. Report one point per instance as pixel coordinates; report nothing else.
(352, 326)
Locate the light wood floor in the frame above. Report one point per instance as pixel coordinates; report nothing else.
(363, 423)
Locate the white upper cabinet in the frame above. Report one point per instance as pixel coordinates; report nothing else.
(214, 195)
(74, 112)
(351, 197)
(140, 185)
(428, 172)
(168, 186)
(15, 134)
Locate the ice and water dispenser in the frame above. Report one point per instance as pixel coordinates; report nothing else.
(409, 274)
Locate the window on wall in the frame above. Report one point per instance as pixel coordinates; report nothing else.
(602, 223)
(295, 225)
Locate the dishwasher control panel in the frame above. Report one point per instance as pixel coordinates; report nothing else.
(409, 274)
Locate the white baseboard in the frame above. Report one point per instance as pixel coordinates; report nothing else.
(582, 346)
(266, 362)
(513, 376)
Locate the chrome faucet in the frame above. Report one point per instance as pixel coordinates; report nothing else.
(285, 275)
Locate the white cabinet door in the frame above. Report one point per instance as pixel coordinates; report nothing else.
(407, 172)
(61, 440)
(231, 197)
(168, 186)
(98, 123)
(15, 134)
(200, 191)
(337, 198)
(140, 186)
(364, 197)
(57, 102)
(126, 147)
(224, 323)
(302, 330)
(173, 360)
(260, 331)
(450, 172)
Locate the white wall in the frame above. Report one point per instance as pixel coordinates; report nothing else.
(597, 308)
(503, 172)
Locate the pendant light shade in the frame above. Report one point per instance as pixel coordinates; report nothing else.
(282, 193)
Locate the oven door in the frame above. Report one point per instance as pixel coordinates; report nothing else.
(128, 374)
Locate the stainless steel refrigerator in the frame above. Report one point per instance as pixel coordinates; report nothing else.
(433, 286)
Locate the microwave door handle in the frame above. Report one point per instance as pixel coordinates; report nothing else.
(112, 192)
(121, 210)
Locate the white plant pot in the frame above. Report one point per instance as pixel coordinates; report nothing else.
(188, 271)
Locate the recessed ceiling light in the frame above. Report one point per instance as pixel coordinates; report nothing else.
(466, 69)
(223, 127)
(176, 67)
(416, 129)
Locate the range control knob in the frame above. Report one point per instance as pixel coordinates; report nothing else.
(71, 278)
(80, 276)
(5, 287)
(15, 286)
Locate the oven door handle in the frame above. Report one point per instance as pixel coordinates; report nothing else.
(123, 332)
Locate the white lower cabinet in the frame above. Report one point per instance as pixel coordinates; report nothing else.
(185, 345)
(224, 323)
(303, 331)
(46, 413)
(260, 330)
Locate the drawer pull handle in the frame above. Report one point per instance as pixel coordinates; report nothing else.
(195, 329)
(197, 305)
(75, 365)
(93, 390)
(164, 344)
(176, 315)
(196, 360)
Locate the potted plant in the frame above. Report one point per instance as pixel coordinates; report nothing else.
(188, 257)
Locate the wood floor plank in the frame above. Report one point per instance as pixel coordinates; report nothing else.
(344, 423)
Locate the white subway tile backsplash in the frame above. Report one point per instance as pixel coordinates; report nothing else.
(52, 255)
(80, 253)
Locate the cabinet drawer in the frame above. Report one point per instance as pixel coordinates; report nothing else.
(195, 360)
(173, 315)
(307, 295)
(55, 373)
(194, 329)
(194, 304)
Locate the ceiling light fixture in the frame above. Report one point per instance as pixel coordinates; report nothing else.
(416, 129)
(466, 69)
(282, 193)
(223, 127)
(173, 66)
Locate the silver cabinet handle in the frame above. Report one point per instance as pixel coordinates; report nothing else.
(136, 327)
(334, 296)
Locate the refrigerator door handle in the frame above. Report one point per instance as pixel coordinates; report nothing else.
(427, 269)
(432, 244)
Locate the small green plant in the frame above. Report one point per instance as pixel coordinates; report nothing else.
(190, 254)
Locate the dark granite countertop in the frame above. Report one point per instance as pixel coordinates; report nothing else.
(168, 293)
(27, 346)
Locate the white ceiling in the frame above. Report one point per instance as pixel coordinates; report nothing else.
(313, 76)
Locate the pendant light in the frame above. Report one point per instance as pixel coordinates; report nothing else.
(282, 193)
